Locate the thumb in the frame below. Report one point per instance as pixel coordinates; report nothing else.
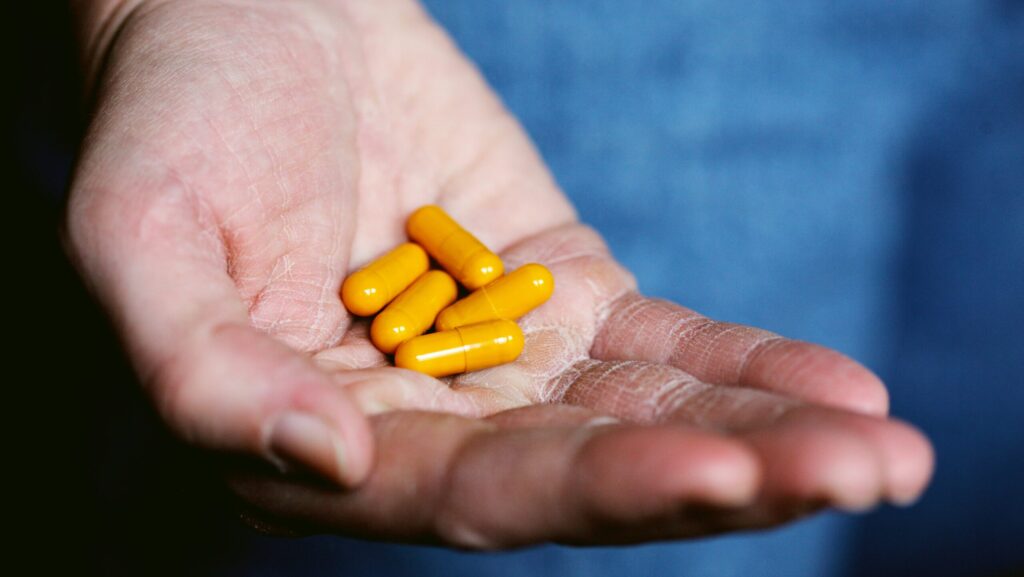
(161, 271)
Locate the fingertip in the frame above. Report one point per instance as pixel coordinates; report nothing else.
(910, 463)
(806, 458)
(359, 447)
(913, 480)
(247, 392)
(817, 374)
(852, 480)
(868, 395)
(302, 442)
(906, 456)
(325, 432)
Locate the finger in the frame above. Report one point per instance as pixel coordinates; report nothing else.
(442, 478)
(657, 331)
(907, 458)
(651, 393)
(218, 382)
(809, 453)
(819, 461)
(767, 511)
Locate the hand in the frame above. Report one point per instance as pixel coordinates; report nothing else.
(245, 155)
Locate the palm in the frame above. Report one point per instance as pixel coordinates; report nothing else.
(285, 145)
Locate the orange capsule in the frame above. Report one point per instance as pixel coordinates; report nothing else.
(413, 311)
(509, 297)
(369, 289)
(460, 253)
(468, 348)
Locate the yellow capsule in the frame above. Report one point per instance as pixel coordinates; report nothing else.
(509, 297)
(460, 253)
(413, 311)
(468, 348)
(369, 289)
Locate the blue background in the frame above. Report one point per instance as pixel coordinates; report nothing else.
(849, 172)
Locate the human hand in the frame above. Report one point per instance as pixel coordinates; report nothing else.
(245, 155)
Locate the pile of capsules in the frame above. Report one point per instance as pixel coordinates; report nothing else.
(476, 332)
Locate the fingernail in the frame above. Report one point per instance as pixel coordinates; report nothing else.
(299, 441)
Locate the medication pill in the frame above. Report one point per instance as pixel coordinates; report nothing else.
(413, 311)
(458, 251)
(509, 297)
(468, 348)
(369, 289)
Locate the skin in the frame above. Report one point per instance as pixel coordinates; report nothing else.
(244, 156)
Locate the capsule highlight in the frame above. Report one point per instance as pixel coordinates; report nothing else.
(369, 289)
(413, 311)
(468, 348)
(458, 251)
(509, 297)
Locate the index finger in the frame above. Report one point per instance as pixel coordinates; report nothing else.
(658, 331)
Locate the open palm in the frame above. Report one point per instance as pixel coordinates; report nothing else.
(244, 156)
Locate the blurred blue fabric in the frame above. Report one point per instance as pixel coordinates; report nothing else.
(848, 172)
